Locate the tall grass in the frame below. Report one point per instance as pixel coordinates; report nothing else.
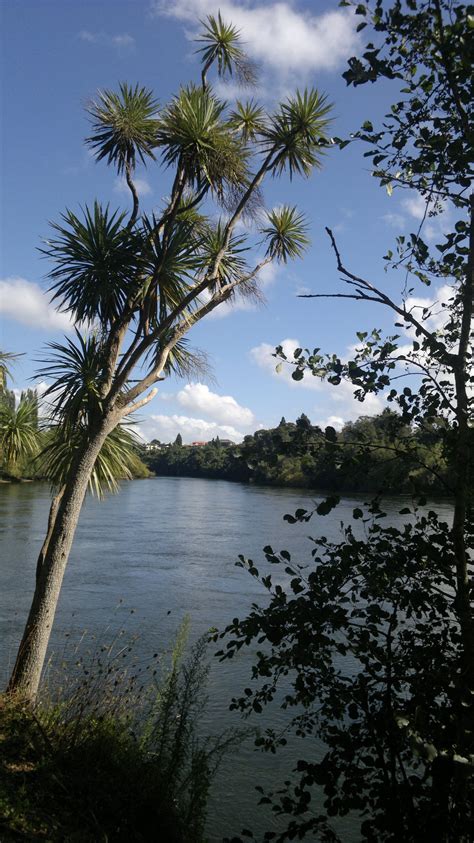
(111, 751)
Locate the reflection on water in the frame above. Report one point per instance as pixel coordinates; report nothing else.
(167, 548)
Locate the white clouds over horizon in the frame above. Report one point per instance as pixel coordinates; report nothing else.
(166, 428)
(221, 409)
(277, 34)
(25, 302)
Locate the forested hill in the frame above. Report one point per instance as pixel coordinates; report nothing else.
(371, 454)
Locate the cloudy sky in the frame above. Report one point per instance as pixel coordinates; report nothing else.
(56, 55)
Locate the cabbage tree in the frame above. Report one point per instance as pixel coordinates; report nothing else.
(142, 281)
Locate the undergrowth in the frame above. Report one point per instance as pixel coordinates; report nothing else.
(111, 753)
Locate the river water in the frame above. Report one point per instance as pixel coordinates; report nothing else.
(166, 548)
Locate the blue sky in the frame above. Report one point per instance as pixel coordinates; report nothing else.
(55, 55)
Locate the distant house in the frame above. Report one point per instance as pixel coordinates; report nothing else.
(198, 444)
(153, 447)
(226, 442)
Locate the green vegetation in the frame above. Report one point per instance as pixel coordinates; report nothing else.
(39, 449)
(371, 643)
(111, 753)
(379, 454)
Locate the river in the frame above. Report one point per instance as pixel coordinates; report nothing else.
(166, 548)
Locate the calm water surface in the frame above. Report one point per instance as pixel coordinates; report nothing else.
(167, 547)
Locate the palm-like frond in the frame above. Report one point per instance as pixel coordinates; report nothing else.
(19, 435)
(115, 461)
(5, 373)
(222, 44)
(171, 269)
(286, 234)
(186, 362)
(298, 133)
(96, 260)
(249, 119)
(232, 265)
(194, 134)
(189, 214)
(124, 126)
(76, 368)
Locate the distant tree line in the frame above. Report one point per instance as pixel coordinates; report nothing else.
(376, 453)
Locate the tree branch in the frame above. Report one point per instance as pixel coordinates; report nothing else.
(437, 348)
(133, 190)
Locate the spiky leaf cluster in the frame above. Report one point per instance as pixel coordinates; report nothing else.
(18, 430)
(249, 119)
(222, 45)
(116, 460)
(298, 133)
(286, 234)
(194, 134)
(75, 369)
(232, 265)
(124, 126)
(95, 263)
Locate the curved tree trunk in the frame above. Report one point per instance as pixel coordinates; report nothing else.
(52, 561)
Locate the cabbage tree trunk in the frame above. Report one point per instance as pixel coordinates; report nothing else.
(52, 561)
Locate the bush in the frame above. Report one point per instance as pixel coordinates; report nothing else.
(108, 756)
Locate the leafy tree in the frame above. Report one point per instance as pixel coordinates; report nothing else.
(31, 396)
(379, 454)
(145, 280)
(375, 642)
(178, 441)
(19, 436)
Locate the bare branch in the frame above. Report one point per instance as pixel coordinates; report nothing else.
(437, 348)
(136, 406)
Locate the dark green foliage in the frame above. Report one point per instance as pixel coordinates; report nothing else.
(372, 645)
(8, 398)
(19, 434)
(194, 134)
(427, 136)
(381, 453)
(363, 642)
(95, 260)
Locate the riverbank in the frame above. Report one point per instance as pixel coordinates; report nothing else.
(380, 454)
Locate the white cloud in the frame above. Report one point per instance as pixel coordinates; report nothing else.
(283, 38)
(415, 206)
(223, 409)
(27, 303)
(123, 41)
(435, 307)
(142, 186)
(166, 429)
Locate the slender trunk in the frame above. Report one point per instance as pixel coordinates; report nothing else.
(52, 561)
